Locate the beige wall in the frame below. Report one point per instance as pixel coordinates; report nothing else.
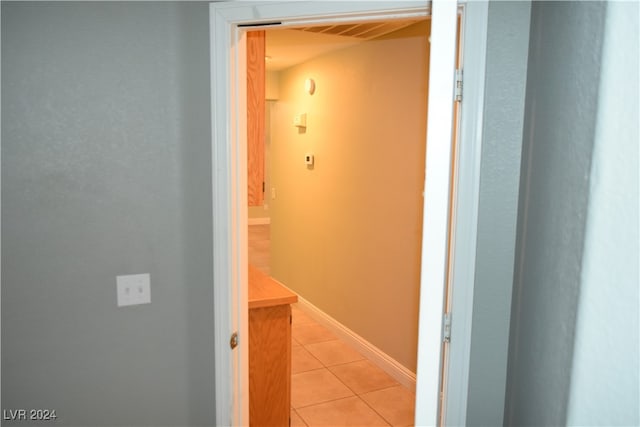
(346, 234)
(272, 85)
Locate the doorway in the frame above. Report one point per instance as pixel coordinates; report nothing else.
(345, 230)
(230, 205)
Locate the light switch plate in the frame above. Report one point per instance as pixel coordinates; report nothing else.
(133, 289)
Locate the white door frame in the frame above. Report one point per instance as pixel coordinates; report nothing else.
(229, 179)
(473, 39)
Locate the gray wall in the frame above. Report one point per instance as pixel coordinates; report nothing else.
(106, 171)
(505, 81)
(605, 376)
(561, 105)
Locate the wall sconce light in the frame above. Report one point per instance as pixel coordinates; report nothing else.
(309, 86)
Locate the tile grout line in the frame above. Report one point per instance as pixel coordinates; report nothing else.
(323, 403)
(309, 370)
(374, 410)
(299, 416)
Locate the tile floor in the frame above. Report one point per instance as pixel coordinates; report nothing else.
(331, 383)
(334, 385)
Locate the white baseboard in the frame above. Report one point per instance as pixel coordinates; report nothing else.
(385, 362)
(259, 221)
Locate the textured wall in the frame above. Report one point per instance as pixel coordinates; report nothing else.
(106, 171)
(604, 376)
(561, 107)
(505, 82)
(346, 234)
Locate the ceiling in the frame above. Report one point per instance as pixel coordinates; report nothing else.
(288, 47)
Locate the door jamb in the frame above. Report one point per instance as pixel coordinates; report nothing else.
(473, 45)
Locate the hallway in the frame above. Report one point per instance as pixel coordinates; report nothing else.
(332, 384)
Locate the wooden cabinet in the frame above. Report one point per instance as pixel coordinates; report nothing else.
(269, 350)
(255, 116)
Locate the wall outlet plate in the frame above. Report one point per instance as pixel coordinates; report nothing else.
(133, 289)
(308, 159)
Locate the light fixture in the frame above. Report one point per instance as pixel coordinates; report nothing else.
(310, 86)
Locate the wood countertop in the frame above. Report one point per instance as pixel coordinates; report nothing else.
(265, 291)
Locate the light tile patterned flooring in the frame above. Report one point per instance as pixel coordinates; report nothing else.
(331, 383)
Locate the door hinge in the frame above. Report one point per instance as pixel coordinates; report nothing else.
(233, 342)
(263, 186)
(458, 91)
(446, 328)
